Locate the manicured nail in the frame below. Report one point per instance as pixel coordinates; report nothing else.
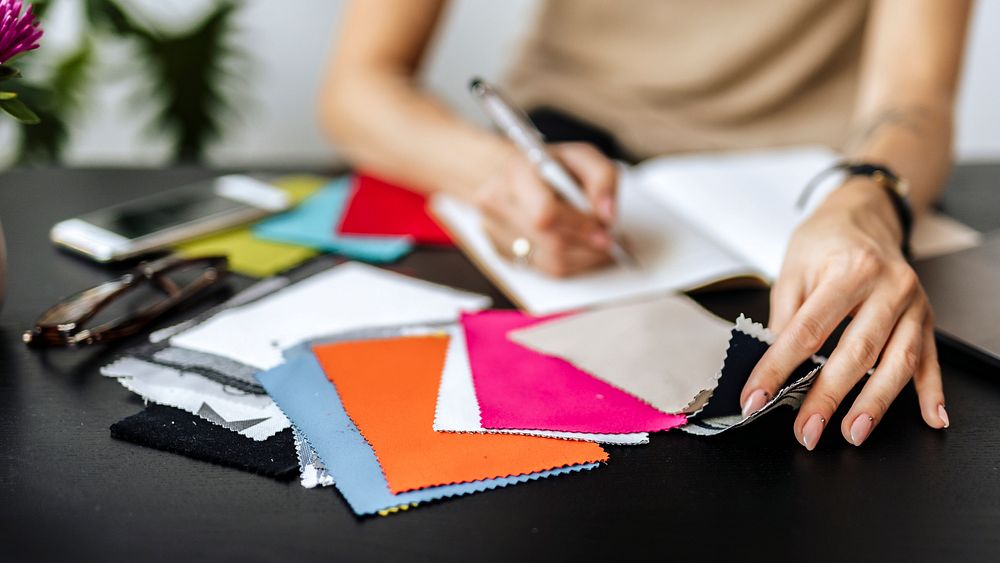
(601, 240)
(861, 428)
(607, 210)
(755, 402)
(812, 431)
(943, 415)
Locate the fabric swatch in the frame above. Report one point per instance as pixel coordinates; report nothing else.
(458, 411)
(249, 255)
(313, 224)
(348, 297)
(747, 345)
(312, 470)
(256, 291)
(303, 392)
(222, 370)
(665, 351)
(174, 430)
(254, 416)
(522, 389)
(389, 389)
(305, 348)
(378, 208)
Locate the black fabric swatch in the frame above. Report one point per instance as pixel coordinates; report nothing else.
(174, 430)
(742, 356)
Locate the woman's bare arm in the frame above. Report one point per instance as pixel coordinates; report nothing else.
(371, 106)
(845, 260)
(906, 98)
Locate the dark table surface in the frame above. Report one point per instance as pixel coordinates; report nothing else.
(68, 490)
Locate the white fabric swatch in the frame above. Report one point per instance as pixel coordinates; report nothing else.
(252, 415)
(312, 471)
(351, 296)
(458, 408)
(664, 351)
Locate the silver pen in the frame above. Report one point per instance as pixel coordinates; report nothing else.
(513, 123)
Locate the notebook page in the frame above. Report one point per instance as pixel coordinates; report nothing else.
(671, 255)
(745, 201)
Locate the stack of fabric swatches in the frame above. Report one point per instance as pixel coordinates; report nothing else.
(399, 392)
(357, 216)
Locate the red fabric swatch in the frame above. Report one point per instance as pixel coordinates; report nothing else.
(378, 208)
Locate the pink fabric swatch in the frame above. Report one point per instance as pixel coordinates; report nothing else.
(521, 389)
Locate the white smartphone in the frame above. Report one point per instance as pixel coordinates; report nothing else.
(167, 218)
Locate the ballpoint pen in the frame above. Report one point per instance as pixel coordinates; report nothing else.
(518, 128)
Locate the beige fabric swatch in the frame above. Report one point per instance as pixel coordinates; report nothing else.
(665, 351)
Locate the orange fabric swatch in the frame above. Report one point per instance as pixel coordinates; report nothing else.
(389, 389)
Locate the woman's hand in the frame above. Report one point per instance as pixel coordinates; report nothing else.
(846, 260)
(515, 203)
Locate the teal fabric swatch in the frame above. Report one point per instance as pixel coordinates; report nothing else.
(313, 224)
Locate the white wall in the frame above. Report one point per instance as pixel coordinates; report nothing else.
(979, 99)
(289, 43)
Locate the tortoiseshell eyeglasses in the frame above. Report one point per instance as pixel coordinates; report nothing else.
(122, 307)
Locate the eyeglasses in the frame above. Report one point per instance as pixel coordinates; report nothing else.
(122, 307)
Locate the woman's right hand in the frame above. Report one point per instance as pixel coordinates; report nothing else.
(515, 204)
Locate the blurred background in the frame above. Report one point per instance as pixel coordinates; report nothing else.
(232, 83)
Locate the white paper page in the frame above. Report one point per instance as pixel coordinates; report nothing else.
(458, 408)
(672, 256)
(351, 296)
(745, 201)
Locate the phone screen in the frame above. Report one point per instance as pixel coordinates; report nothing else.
(163, 211)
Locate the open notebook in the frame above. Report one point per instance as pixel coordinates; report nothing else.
(690, 221)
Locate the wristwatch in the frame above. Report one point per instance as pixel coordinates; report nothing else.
(895, 187)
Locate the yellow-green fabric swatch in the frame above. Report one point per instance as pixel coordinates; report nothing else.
(251, 256)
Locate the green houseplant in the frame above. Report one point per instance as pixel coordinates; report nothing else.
(193, 76)
(196, 76)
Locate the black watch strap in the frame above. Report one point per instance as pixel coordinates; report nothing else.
(892, 184)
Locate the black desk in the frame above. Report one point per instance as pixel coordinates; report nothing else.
(67, 489)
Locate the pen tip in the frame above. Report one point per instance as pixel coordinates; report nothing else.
(476, 83)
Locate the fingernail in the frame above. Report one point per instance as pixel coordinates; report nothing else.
(861, 428)
(812, 431)
(607, 210)
(755, 402)
(601, 240)
(943, 415)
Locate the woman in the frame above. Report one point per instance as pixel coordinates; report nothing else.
(875, 79)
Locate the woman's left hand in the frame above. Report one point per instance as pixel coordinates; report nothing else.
(845, 260)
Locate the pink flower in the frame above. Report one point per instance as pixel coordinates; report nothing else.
(18, 32)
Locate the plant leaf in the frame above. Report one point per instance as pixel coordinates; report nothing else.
(7, 72)
(41, 7)
(8, 95)
(16, 109)
(55, 102)
(188, 75)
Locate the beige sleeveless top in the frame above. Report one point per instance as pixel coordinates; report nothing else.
(668, 76)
